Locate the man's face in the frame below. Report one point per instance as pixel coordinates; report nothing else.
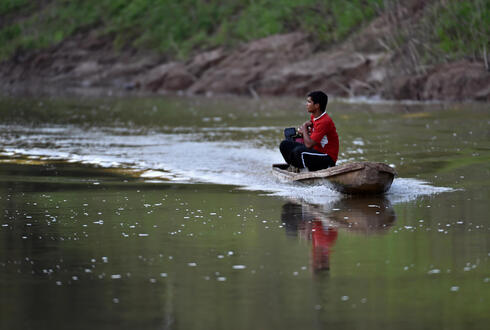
(310, 106)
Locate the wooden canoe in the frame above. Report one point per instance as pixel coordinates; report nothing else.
(349, 178)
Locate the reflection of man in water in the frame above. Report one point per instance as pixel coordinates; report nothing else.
(322, 241)
(311, 228)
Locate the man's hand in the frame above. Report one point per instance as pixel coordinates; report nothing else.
(305, 131)
(305, 128)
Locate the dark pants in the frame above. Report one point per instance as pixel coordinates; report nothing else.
(298, 155)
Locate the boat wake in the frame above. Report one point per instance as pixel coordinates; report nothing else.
(181, 158)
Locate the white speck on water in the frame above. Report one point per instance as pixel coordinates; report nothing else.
(192, 264)
(408, 227)
(221, 279)
(230, 253)
(318, 307)
(143, 235)
(163, 274)
(295, 273)
(239, 266)
(115, 301)
(58, 283)
(454, 288)
(364, 300)
(434, 271)
(116, 276)
(105, 259)
(152, 280)
(100, 222)
(344, 298)
(220, 256)
(75, 278)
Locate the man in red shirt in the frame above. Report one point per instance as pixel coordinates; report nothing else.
(321, 142)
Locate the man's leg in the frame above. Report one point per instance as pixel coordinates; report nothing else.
(298, 155)
(288, 152)
(315, 160)
(296, 159)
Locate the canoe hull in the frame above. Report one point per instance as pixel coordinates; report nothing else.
(351, 178)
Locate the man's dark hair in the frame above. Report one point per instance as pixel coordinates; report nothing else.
(319, 97)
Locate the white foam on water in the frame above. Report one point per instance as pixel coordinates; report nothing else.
(407, 189)
(154, 174)
(183, 157)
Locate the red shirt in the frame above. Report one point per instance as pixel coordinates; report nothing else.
(325, 135)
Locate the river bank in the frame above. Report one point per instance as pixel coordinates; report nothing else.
(371, 62)
(277, 65)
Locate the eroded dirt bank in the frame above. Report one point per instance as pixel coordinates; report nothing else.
(278, 65)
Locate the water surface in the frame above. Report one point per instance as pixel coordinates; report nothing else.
(162, 213)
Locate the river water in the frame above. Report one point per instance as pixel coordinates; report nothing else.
(162, 213)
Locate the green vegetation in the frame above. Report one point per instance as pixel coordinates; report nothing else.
(8, 6)
(447, 30)
(177, 28)
(463, 28)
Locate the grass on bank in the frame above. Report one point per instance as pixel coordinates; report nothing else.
(177, 28)
(450, 29)
(463, 28)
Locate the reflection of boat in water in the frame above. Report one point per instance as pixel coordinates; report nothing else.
(321, 225)
(361, 214)
(350, 178)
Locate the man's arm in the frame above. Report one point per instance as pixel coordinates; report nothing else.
(304, 130)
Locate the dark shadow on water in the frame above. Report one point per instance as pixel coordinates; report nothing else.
(321, 224)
